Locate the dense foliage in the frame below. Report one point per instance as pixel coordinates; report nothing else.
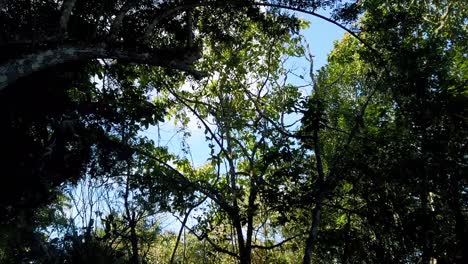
(364, 160)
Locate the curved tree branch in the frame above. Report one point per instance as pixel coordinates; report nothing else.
(312, 13)
(13, 70)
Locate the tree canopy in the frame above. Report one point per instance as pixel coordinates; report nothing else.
(364, 160)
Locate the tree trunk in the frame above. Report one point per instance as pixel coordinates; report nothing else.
(240, 240)
(460, 226)
(244, 248)
(313, 231)
(316, 212)
(427, 251)
(67, 8)
(130, 214)
(346, 246)
(245, 258)
(250, 214)
(135, 259)
(380, 251)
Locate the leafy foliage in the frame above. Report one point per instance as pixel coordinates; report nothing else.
(364, 163)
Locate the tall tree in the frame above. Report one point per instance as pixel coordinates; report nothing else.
(233, 106)
(405, 149)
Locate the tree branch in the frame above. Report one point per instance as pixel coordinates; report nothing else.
(67, 8)
(13, 70)
(213, 244)
(312, 13)
(166, 13)
(183, 100)
(117, 24)
(276, 245)
(183, 223)
(213, 194)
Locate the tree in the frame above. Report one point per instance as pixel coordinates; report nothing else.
(71, 30)
(54, 47)
(334, 123)
(85, 30)
(389, 180)
(375, 172)
(227, 106)
(422, 53)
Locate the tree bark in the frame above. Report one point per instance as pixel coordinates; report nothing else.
(316, 212)
(67, 8)
(427, 247)
(130, 214)
(244, 259)
(135, 258)
(244, 255)
(346, 246)
(313, 231)
(117, 24)
(13, 70)
(250, 214)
